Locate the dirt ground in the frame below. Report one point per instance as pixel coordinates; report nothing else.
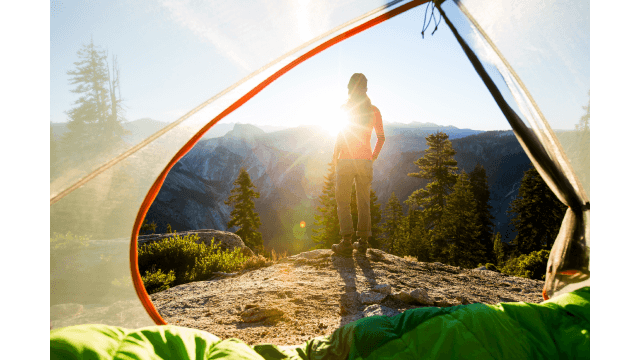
(313, 293)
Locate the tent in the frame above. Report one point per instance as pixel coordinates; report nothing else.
(509, 44)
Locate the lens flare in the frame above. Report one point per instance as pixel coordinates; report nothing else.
(303, 224)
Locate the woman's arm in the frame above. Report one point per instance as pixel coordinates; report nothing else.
(377, 125)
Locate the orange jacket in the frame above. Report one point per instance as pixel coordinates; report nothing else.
(354, 142)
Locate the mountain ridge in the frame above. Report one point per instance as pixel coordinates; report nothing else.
(289, 168)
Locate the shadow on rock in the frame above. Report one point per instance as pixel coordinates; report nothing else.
(365, 265)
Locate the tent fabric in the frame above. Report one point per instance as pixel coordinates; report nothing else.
(571, 248)
(556, 329)
(105, 198)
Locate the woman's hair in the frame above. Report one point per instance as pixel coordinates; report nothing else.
(359, 104)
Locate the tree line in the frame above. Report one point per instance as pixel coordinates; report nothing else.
(449, 220)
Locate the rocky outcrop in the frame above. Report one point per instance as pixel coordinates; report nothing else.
(315, 292)
(308, 295)
(227, 240)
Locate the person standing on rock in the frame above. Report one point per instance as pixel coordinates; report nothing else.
(354, 159)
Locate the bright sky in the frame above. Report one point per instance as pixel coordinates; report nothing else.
(172, 59)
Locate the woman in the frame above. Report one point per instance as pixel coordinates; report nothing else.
(353, 158)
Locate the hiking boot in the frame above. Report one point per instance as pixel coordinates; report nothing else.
(343, 248)
(361, 245)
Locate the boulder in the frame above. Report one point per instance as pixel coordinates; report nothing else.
(383, 289)
(421, 296)
(377, 309)
(371, 297)
(227, 240)
(403, 296)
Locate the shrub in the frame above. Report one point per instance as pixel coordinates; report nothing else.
(256, 262)
(491, 267)
(156, 281)
(189, 261)
(532, 265)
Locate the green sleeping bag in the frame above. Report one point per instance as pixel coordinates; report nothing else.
(555, 329)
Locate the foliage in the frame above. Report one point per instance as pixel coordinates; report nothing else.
(189, 260)
(156, 281)
(585, 120)
(275, 256)
(532, 265)
(149, 227)
(243, 214)
(536, 214)
(412, 237)
(376, 219)
(327, 224)
(498, 249)
(491, 267)
(459, 229)
(481, 194)
(438, 167)
(96, 118)
(256, 262)
(393, 221)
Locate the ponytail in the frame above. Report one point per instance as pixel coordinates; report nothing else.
(360, 109)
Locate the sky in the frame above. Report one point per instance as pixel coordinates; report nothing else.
(172, 58)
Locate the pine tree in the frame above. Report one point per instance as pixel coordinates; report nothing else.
(438, 167)
(327, 225)
(459, 227)
(392, 226)
(413, 241)
(498, 249)
(585, 120)
(536, 214)
(243, 214)
(95, 119)
(480, 189)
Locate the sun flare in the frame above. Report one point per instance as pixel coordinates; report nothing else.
(334, 121)
(331, 119)
(323, 108)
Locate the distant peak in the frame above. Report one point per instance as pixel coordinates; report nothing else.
(245, 131)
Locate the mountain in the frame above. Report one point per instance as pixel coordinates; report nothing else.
(288, 169)
(193, 195)
(141, 129)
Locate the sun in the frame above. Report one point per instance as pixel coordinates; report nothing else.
(327, 113)
(334, 121)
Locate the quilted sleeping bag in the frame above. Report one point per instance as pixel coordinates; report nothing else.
(555, 329)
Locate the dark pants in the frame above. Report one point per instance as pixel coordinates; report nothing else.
(347, 171)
